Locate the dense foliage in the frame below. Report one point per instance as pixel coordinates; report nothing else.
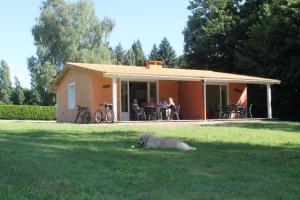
(154, 53)
(139, 55)
(119, 54)
(164, 53)
(26, 112)
(17, 96)
(255, 37)
(5, 83)
(66, 32)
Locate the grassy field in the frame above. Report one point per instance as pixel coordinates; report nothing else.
(233, 161)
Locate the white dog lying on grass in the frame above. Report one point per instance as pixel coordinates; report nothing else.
(149, 141)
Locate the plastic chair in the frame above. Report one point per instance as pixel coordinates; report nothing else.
(150, 113)
(250, 110)
(175, 112)
(159, 112)
(139, 113)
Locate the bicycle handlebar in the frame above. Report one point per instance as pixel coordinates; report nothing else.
(81, 107)
(105, 104)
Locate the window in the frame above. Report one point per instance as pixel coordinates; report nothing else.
(71, 95)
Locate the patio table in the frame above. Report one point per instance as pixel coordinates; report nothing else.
(227, 111)
(240, 110)
(150, 112)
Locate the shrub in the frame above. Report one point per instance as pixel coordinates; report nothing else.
(27, 112)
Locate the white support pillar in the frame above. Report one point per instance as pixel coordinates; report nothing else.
(157, 93)
(114, 97)
(204, 98)
(269, 101)
(148, 91)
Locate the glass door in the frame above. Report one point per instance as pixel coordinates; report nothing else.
(216, 95)
(124, 101)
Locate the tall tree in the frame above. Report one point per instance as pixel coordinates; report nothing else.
(138, 53)
(17, 96)
(154, 55)
(210, 35)
(272, 49)
(166, 53)
(5, 83)
(130, 58)
(67, 32)
(255, 37)
(181, 62)
(119, 54)
(41, 77)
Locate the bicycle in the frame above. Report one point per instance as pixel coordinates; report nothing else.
(105, 113)
(84, 114)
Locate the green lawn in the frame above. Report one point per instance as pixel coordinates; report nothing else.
(232, 161)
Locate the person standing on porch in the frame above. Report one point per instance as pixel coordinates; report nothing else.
(170, 108)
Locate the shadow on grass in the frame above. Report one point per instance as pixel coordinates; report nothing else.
(51, 164)
(276, 125)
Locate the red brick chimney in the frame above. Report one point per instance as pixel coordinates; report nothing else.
(154, 64)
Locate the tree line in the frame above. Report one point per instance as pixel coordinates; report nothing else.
(253, 37)
(9, 94)
(72, 32)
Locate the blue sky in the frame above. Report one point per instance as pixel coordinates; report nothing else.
(148, 21)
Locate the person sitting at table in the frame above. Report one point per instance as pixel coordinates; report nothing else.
(135, 102)
(138, 111)
(163, 103)
(170, 108)
(151, 103)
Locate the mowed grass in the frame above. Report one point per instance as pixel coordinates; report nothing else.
(233, 161)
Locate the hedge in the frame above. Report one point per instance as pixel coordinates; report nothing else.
(27, 112)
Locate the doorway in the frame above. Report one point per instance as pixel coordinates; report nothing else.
(216, 95)
(140, 90)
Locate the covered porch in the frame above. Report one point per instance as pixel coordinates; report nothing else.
(198, 99)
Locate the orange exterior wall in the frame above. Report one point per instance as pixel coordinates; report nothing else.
(191, 96)
(102, 93)
(169, 89)
(238, 94)
(90, 90)
(83, 97)
(187, 94)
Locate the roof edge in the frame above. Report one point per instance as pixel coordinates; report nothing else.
(249, 81)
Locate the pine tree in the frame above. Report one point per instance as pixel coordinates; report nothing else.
(119, 54)
(130, 58)
(138, 53)
(5, 83)
(17, 96)
(154, 55)
(167, 53)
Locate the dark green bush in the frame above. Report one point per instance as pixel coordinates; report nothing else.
(27, 112)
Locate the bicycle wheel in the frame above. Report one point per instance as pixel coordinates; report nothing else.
(98, 116)
(77, 116)
(110, 116)
(225, 116)
(86, 117)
